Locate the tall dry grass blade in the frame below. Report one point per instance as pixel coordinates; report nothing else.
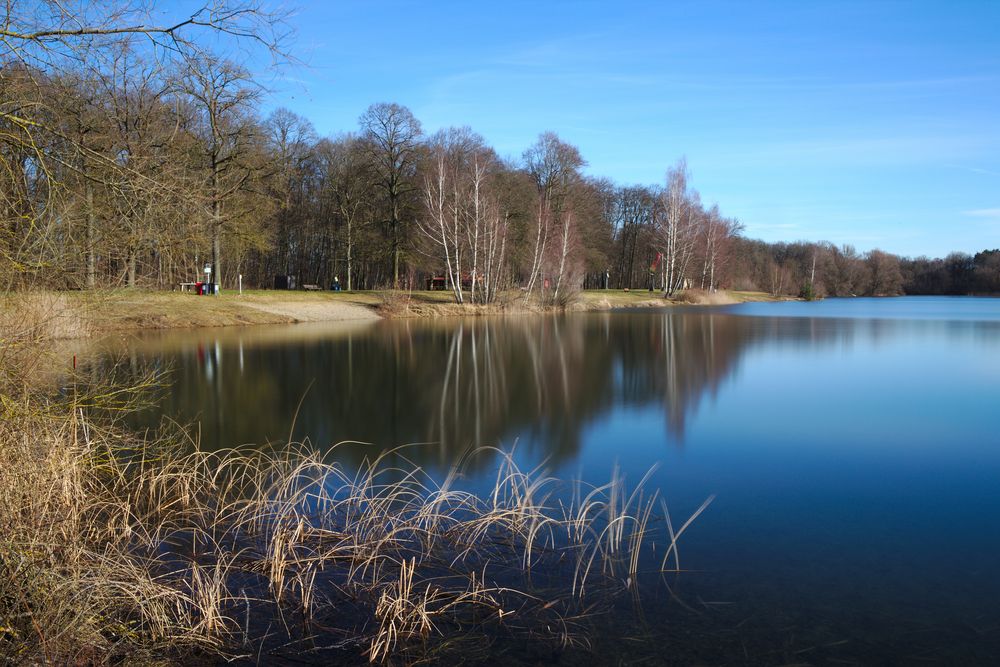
(675, 536)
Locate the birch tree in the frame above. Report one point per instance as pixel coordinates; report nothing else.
(491, 225)
(676, 226)
(444, 201)
(464, 223)
(717, 233)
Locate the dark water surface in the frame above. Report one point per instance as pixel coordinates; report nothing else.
(853, 447)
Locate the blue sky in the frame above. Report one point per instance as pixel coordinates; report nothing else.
(870, 123)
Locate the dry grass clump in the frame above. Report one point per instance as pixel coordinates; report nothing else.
(74, 585)
(394, 303)
(29, 320)
(705, 298)
(114, 548)
(402, 304)
(32, 316)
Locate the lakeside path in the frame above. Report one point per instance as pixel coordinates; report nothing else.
(83, 314)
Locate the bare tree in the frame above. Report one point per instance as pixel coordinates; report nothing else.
(884, 276)
(144, 190)
(392, 133)
(717, 233)
(444, 198)
(568, 256)
(677, 228)
(844, 276)
(554, 167)
(223, 97)
(51, 35)
(44, 40)
(490, 224)
(291, 140)
(348, 181)
(631, 218)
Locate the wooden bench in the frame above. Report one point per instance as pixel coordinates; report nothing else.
(312, 288)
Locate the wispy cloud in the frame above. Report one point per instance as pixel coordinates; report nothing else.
(575, 51)
(985, 214)
(779, 225)
(905, 149)
(986, 222)
(975, 170)
(816, 85)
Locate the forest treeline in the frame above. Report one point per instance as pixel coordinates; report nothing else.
(824, 269)
(134, 155)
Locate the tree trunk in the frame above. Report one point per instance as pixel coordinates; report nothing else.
(567, 221)
(349, 248)
(132, 253)
(216, 276)
(216, 256)
(91, 234)
(395, 244)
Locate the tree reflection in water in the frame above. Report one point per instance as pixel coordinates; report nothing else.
(455, 384)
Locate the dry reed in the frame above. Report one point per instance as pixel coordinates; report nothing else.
(116, 548)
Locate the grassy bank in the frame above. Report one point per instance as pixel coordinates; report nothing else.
(79, 314)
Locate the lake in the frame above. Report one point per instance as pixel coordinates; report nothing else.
(852, 446)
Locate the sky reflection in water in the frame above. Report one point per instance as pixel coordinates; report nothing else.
(852, 444)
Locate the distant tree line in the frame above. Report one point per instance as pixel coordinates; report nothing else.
(958, 273)
(816, 270)
(136, 155)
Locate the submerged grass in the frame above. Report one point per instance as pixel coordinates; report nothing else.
(120, 548)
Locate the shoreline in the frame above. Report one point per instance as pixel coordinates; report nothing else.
(75, 315)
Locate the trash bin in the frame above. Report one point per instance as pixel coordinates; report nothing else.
(198, 286)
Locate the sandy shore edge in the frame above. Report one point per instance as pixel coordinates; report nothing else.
(64, 315)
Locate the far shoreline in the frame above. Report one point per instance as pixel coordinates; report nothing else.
(85, 314)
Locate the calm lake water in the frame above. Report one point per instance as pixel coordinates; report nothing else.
(853, 447)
